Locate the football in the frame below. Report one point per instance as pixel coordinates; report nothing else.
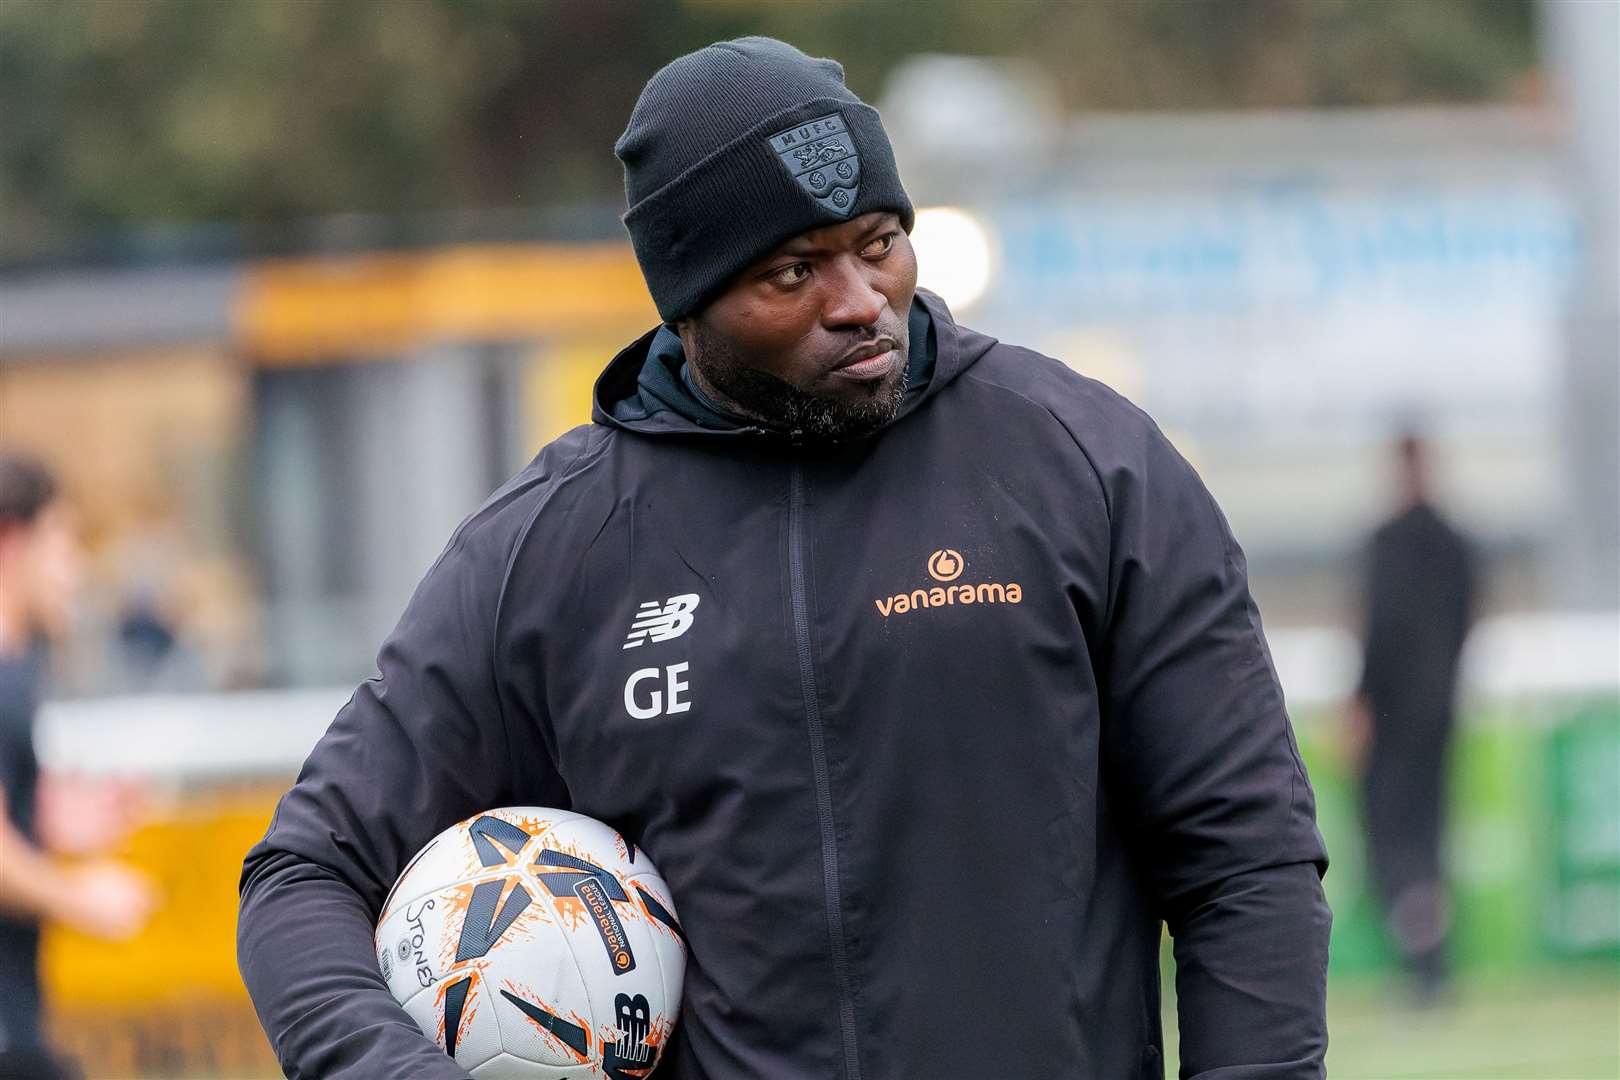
(536, 944)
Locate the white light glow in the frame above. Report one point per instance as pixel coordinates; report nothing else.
(955, 256)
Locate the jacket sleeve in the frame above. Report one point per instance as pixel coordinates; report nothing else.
(430, 740)
(1201, 759)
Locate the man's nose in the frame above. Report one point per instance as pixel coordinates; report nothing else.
(852, 299)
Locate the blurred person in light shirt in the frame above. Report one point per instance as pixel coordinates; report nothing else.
(40, 571)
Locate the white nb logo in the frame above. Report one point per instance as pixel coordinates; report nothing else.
(662, 622)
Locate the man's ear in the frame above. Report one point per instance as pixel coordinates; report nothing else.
(687, 330)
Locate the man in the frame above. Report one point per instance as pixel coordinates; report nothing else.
(957, 690)
(1419, 593)
(39, 573)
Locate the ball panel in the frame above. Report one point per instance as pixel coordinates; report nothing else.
(583, 866)
(666, 939)
(603, 844)
(629, 1003)
(590, 872)
(541, 998)
(508, 1067)
(455, 928)
(472, 847)
(458, 1015)
(409, 944)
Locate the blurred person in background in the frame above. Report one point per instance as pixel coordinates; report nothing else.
(40, 569)
(1418, 596)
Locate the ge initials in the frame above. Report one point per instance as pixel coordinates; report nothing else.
(673, 684)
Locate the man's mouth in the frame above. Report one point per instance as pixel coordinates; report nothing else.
(868, 362)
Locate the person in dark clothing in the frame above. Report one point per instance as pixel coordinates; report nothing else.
(1419, 595)
(39, 563)
(958, 696)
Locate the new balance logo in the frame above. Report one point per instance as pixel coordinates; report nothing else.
(662, 622)
(630, 1054)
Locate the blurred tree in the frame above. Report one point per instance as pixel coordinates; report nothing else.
(264, 113)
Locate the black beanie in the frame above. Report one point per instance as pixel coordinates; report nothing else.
(737, 147)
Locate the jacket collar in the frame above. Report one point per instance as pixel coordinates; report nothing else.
(618, 399)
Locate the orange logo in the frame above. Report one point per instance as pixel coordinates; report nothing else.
(945, 564)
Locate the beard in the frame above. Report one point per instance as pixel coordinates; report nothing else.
(804, 413)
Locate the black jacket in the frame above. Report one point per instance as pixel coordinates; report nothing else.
(1419, 605)
(962, 713)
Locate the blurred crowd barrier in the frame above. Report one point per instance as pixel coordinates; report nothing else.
(1534, 851)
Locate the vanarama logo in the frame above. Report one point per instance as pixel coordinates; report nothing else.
(946, 566)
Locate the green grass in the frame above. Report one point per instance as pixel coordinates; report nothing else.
(1553, 1026)
(1546, 1027)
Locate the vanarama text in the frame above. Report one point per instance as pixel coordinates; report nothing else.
(949, 595)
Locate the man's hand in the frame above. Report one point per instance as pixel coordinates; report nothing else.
(106, 900)
(102, 899)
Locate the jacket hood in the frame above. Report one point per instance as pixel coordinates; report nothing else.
(956, 349)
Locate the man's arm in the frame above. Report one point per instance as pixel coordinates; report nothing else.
(1199, 751)
(432, 739)
(28, 880)
(102, 899)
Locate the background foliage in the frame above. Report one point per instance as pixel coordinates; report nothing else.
(267, 112)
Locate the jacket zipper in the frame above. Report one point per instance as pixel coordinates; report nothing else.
(818, 765)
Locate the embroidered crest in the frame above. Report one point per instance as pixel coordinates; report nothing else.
(821, 155)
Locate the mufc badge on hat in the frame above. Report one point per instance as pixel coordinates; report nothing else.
(820, 154)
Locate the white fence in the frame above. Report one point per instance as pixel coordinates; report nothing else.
(1511, 659)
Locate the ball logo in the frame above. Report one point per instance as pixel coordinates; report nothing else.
(413, 947)
(596, 901)
(631, 1049)
(945, 564)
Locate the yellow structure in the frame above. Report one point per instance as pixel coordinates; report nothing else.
(312, 310)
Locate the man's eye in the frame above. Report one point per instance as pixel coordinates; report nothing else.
(879, 246)
(791, 275)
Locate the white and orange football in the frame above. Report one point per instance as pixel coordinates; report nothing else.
(536, 944)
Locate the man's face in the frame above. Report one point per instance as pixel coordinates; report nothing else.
(42, 564)
(813, 338)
